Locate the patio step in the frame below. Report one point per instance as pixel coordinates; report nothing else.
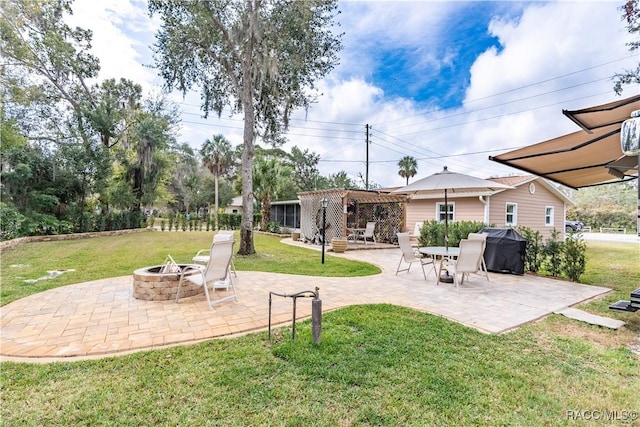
(574, 313)
(623, 305)
(630, 306)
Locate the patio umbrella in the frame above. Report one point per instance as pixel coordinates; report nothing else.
(445, 182)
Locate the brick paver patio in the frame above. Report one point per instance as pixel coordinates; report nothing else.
(101, 318)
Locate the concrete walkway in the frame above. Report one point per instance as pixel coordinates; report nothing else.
(101, 318)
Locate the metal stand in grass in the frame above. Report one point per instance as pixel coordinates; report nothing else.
(316, 312)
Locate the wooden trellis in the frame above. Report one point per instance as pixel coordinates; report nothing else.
(350, 208)
(389, 217)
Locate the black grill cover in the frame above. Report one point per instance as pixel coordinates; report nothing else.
(505, 251)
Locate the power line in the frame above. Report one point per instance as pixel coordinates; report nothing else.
(514, 101)
(324, 129)
(292, 119)
(518, 88)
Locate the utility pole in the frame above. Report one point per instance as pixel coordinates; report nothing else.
(366, 175)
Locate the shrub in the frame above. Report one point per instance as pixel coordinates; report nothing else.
(606, 216)
(171, 218)
(552, 251)
(40, 225)
(273, 227)
(432, 232)
(10, 222)
(100, 223)
(533, 254)
(229, 221)
(573, 262)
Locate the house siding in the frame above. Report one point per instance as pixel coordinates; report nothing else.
(530, 212)
(465, 209)
(236, 205)
(531, 209)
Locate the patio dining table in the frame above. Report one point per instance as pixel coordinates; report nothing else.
(440, 252)
(355, 232)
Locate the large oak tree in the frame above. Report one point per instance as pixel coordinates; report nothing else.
(257, 57)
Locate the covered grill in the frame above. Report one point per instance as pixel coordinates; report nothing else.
(505, 251)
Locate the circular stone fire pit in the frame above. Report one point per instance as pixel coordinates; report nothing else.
(151, 285)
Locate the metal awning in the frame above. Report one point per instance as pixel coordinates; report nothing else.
(588, 157)
(603, 115)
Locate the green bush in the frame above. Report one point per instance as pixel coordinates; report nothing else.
(552, 251)
(573, 262)
(44, 225)
(432, 232)
(533, 253)
(10, 222)
(229, 221)
(273, 227)
(171, 219)
(603, 217)
(100, 223)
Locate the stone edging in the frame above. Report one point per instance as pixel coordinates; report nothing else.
(8, 244)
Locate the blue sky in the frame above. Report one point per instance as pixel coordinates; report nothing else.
(431, 67)
(446, 82)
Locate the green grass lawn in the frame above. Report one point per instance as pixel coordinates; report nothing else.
(115, 256)
(376, 364)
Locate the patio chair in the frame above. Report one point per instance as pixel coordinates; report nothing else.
(216, 274)
(369, 232)
(409, 256)
(467, 262)
(416, 233)
(202, 256)
(482, 266)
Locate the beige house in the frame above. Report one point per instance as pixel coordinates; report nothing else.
(235, 207)
(533, 202)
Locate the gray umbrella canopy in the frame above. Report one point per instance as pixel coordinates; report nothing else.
(446, 181)
(450, 181)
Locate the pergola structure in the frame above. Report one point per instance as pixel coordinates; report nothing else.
(351, 208)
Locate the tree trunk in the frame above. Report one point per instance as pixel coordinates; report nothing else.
(246, 226)
(217, 207)
(266, 213)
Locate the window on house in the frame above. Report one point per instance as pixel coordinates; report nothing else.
(442, 211)
(511, 217)
(548, 216)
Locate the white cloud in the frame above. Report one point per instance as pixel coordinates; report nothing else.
(122, 33)
(513, 98)
(583, 42)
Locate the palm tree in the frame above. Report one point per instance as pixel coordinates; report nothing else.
(217, 156)
(408, 167)
(270, 178)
